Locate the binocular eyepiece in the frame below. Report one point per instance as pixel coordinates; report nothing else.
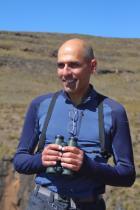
(58, 169)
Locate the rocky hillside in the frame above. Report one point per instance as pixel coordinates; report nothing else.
(28, 68)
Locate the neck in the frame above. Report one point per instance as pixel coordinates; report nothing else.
(77, 98)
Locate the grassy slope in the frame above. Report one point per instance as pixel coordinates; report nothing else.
(27, 69)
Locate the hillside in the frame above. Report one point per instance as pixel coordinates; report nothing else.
(28, 69)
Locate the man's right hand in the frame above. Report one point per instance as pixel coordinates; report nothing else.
(51, 154)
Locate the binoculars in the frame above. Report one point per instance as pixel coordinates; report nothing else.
(58, 169)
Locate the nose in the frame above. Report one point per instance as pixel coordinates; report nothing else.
(66, 70)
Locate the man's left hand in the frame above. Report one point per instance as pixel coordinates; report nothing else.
(72, 158)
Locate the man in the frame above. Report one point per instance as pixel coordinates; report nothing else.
(75, 114)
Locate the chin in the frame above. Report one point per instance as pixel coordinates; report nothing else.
(69, 90)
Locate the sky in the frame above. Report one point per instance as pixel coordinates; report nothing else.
(105, 18)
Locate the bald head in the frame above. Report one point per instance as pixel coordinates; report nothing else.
(79, 46)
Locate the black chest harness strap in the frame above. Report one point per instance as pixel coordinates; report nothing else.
(46, 123)
(105, 146)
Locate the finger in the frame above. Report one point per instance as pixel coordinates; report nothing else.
(71, 149)
(77, 162)
(52, 153)
(53, 147)
(77, 156)
(71, 166)
(51, 150)
(74, 161)
(48, 163)
(50, 158)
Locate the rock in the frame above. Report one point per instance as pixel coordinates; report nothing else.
(14, 188)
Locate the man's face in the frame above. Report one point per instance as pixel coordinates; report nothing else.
(74, 70)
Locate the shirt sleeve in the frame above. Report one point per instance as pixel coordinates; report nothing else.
(123, 171)
(25, 161)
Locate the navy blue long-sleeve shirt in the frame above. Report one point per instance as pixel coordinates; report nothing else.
(81, 121)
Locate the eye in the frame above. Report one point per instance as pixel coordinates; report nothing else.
(60, 65)
(74, 65)
(71, 65)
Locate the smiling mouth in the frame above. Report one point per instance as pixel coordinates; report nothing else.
(69, 81)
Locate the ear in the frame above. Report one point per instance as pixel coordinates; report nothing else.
(93, 65)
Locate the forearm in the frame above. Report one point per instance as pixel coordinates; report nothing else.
(28, 164)
(118, 175)
(25, 161)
